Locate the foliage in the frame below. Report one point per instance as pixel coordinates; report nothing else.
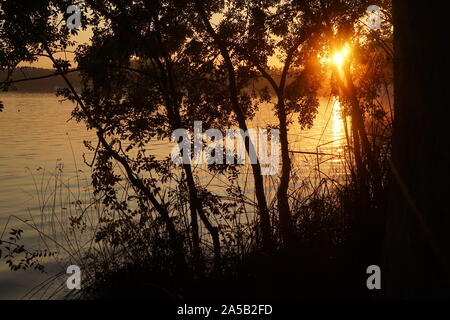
(156, 66)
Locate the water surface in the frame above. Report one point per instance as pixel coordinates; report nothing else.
(37, 139)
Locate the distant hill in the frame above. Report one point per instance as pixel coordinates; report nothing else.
(50, 84)
(42, 85)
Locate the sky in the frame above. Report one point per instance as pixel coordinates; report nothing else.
(84, 36)
(44, 62)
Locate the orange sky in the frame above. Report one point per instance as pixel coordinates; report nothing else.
(84, 37)
(44, 62)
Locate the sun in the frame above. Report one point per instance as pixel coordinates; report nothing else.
(339, 57)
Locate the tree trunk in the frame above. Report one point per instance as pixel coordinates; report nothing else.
(286, 227)
(266, 230)
(417, 242)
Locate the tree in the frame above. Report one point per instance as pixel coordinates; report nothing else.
(41, 35)
(175, 69)
(234, 85)
(144, 42)
(417, 246)
(249, 34)
(296, 25)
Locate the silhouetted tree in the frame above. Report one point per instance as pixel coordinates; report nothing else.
(417, 241)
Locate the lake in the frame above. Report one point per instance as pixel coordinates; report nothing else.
(38, 141)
